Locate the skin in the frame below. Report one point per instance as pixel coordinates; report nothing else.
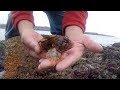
(30, 38)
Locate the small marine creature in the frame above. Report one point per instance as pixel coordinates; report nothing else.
(55, 46)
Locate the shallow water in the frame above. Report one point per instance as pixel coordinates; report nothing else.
(105, 40)
(2, 34)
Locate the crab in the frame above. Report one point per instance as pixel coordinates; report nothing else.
(54, 46)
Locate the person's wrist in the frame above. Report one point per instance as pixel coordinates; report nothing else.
(25, 32)
(25, 26)
(73, 32)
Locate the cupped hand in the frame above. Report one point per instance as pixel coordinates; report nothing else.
(72, 55)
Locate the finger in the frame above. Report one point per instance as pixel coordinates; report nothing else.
(34, 45)
(69, 60)
(31, 41)
(38, 39)
(42, 54)
(64, 55)
(91, 44)
(31, 44)
(34, 54)
(44, 63)
(41, 60)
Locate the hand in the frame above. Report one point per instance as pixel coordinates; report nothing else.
(74, 54)
(29, 37)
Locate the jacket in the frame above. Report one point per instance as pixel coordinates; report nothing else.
(77, 18)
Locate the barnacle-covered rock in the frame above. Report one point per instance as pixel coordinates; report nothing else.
(19, 64)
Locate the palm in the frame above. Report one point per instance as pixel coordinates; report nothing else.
(74, 54)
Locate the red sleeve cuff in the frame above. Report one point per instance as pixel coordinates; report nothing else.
(22, 17)
(17, 16)
(77, 18)
(73, 23)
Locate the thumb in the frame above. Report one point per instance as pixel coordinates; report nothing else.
(31, 44)
(91, 44)
(35, 46)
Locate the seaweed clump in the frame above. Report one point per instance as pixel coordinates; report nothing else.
(54, 46)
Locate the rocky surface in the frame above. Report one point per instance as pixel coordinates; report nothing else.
(2, 57)
(2, 54)
(19, 65)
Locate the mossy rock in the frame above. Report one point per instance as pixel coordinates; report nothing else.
(20, 65)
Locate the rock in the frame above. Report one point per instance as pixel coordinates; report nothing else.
(2, 74)
(2, 55)
(19, 65)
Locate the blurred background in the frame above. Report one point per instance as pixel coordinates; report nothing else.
(102, 26)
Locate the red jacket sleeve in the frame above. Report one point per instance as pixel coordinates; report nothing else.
(75, 18)
(17, 16)
(70, 18)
